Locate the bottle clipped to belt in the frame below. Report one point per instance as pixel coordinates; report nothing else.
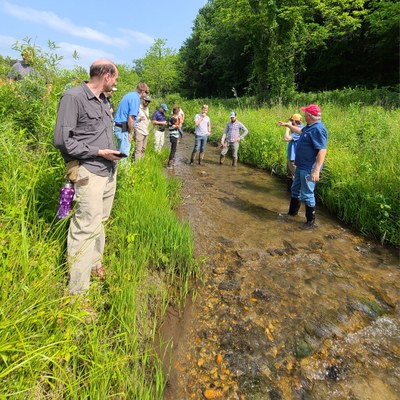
(67, 193)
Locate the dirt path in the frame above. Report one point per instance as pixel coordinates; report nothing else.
(283, 313)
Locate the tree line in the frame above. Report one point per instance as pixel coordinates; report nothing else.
(272, 48)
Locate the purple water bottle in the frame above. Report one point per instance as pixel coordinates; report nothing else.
(65, 201)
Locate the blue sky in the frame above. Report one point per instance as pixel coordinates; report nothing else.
(119, 30)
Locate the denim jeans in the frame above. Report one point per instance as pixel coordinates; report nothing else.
(124, 145)
(200, 143)
(303, 188)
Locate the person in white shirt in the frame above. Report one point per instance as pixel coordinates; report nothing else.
(141, 131)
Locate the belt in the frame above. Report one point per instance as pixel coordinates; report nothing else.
(119, 125)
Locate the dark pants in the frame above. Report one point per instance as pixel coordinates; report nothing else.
(174, 144)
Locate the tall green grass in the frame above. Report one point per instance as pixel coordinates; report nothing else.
(49, 348)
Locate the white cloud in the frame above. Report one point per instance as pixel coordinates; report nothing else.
(138, 37)
(53, 21)
(7, 41)
(86, 55)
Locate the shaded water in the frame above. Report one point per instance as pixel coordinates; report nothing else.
(283, 313)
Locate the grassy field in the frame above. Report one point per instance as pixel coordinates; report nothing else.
(50, 348)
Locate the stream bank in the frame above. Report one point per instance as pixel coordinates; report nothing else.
(283, 313)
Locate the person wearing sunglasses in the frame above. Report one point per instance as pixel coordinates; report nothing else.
(141, 132)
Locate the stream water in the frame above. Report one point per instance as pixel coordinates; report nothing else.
(282, 313)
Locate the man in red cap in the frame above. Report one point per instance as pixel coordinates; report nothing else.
(310, 156)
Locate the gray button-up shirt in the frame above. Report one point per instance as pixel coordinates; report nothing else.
(232, 131)
(84, 125)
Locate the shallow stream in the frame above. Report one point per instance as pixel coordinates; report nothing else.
(283, 313)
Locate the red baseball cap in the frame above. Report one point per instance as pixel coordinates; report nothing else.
(312, 109)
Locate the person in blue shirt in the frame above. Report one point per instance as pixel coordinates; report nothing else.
(126, 117)
(291, 138)
(310, 157)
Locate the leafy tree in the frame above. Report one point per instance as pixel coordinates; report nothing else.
(127, 81)
(272, 48)
(159, 68)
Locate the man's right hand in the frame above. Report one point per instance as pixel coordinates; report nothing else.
(108, 154)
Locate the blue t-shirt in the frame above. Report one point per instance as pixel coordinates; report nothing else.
(160, 117)
(129, 105)
(291, 147)
(313, 138)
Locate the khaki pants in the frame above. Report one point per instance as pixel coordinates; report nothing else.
(140, 145)
(94, 197)
(158, 140)
(233, 146)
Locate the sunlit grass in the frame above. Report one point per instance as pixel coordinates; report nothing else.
(49, 348)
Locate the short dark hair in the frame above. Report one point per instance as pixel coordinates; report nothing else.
(101, 68)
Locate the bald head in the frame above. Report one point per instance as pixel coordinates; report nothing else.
(102, 67)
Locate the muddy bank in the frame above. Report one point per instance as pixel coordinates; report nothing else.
(283, 313)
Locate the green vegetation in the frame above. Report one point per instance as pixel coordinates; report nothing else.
(50, 348)
(360, 181)
(271, 49)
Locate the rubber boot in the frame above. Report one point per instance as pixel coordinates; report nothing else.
(289, 182)
(201, 158)
(221, 159)
(234, 161)
(310, 215)
(192, 158)
(294, 206)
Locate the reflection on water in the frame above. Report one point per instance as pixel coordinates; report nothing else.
(284, 313)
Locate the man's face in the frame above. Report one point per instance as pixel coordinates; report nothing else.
(110, 81)
(233, 119)
(309, 119)
(143, 94)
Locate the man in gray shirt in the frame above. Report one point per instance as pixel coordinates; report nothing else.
(23, 68)
(83, 134)
(231, 138)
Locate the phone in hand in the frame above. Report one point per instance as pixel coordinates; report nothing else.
(122, 155)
